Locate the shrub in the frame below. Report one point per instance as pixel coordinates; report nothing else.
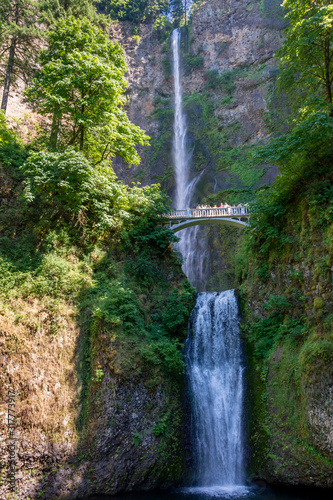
(178, 309)
(192, 62)
(167, 68)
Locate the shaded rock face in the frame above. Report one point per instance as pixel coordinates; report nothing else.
(76, 436)
(122, 454)
(233, 39)
(290, 406)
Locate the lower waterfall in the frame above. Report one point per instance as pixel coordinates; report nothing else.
(215, 379)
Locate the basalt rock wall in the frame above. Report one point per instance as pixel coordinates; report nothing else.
(228, 80)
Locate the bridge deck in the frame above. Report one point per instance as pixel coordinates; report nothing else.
(190, 213)
(234, 216)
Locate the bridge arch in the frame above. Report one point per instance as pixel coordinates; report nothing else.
(183, 224)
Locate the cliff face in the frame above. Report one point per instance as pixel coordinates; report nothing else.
(230, 102)
(228, 72)
(228, 75)
(288, 310)
(97, 410)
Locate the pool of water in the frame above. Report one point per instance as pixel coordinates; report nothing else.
(261, 492)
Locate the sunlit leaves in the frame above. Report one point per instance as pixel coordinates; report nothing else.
(306, 55)
(81, 87)
(66, 190)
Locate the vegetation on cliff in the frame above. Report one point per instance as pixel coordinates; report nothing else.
(286, 269)
(79, 249)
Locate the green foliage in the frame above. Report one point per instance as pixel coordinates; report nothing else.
(316, 353)
(178, 309)
(263, 271)
(162, 425)
(216, 143)
(80, 86)
(19, 32)
(224, 81)
(177, 12)
(49, 275)
(143, 343)
(306, 54)
(55, 277)
(268, 333)
(162, 27)
(53, 10)
(192, 62)
(64, 189)
(311, 137)
(305, 153)
(137, 438)
(136, 11)
(167, 67)
(12, 150)
(231, 196)
(99, 374)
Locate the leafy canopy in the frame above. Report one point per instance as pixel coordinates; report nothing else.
(53, 10)
(64, 190)
(306, 60)
(134, 11)
(12, 150)
(306, 55)
(19, 31)
(81, 86)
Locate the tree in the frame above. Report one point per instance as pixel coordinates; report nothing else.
(53, 10)
(81, 86)
(18, 42)
(307, 53)
(64, 190)
(306, 58)
(177, 12)
(134, 11)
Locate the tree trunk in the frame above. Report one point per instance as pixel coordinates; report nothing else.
(9, 72)
(327, 71)
(81, 137)
(55, 128)
(82, 128)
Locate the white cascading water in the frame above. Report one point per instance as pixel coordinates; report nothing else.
(180, 155)
(213, 349)
(215, 377)
(193, 248)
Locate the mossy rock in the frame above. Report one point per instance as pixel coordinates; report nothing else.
(318, 303)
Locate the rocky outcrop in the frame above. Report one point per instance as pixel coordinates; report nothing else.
(288, 337)
(124, 434)
(235, 40)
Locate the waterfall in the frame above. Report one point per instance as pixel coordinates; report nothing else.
(180, 156)
(215, 377)
(193, 248)
(213, 351)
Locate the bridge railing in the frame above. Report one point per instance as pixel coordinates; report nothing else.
(190, 213)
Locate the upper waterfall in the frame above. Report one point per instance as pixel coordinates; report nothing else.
(179, 151)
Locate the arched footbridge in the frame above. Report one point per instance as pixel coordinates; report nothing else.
(233, 216)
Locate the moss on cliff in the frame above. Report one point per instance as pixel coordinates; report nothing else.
(286, 293)
(91, 340)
